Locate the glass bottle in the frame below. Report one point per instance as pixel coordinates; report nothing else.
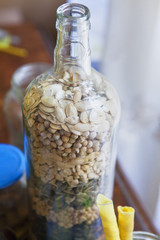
(70, 115)
(12, 104)
(139, 235)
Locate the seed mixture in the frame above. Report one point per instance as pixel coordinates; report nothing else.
(69, 124)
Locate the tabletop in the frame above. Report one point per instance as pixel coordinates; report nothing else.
(40, 49)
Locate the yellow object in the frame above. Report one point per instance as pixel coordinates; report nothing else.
(126, 222)
(5, 46)
(108, 217)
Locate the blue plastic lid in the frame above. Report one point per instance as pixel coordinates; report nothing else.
(12, 165)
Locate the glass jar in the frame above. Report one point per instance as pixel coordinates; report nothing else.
(12, 105)
(13, 193)
(145, 236)
(70, 116)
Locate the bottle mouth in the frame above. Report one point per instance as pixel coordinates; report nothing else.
(73, 11)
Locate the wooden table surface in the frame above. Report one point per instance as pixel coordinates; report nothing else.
(34, 41)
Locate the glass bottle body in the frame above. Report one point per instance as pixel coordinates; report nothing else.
(70, 115)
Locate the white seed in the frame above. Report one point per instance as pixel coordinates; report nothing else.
(97, 116)
(71, 110)
(52, 89)
(83, 106)
(60, 95)
(82, 127)
(45, 109)
(65, 128)
(73, 130)
(77, 96)
(101, 127)
(55, 126)
(72, 120)
(49, 101)
(84, 117)
(63, 103)
(92, 135)
(74, 136)
(60, 114)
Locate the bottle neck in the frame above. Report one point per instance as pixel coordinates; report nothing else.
(72, 48)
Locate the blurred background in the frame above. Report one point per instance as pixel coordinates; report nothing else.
(125, 45)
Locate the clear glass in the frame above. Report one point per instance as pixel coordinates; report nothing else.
(70, 115)
(14, 208)
(145, 236)
(12, 105)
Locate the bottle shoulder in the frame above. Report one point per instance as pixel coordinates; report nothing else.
(70, 92)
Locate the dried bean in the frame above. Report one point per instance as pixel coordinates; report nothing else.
(49, 135)
(72, 140)
(89, 150)
(68, 150)
(85, 134)
(77, 145)
(90, 144)
(74, 136)
(46, 142)
(46, 124)
(59, 142)
(53, 144)
(65, 139)
(67, 145)
(40, 127)
(85, 143)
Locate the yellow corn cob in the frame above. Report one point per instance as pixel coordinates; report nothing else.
(108, 217)
(126, 222)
